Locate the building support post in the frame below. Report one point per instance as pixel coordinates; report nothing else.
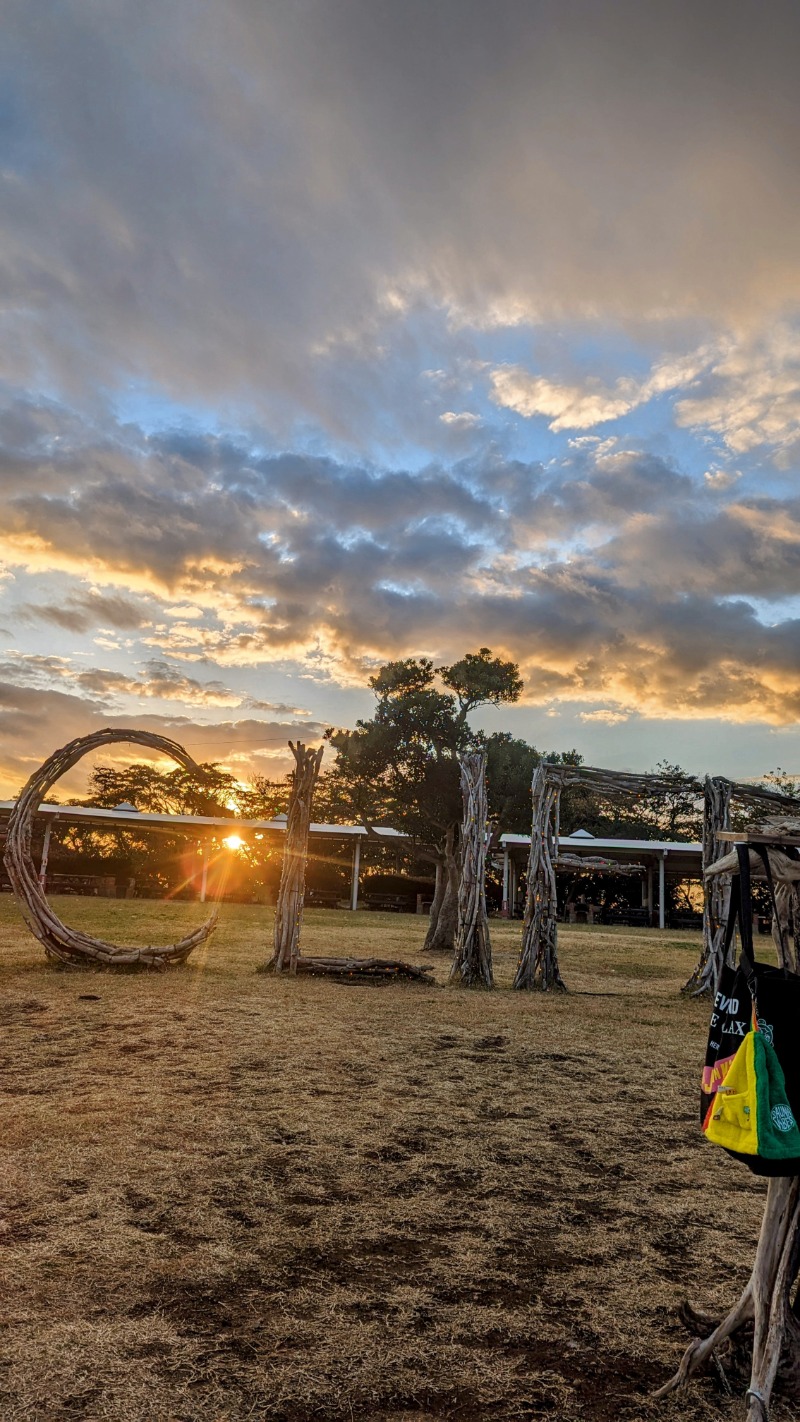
(45, 855)
(354, 873)
(662, 917)
(204, 874)
(505, 912)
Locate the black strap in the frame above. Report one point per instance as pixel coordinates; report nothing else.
(741, 908)
(761, 851)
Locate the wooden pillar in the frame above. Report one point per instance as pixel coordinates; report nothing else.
(354, 873)
(472, 962)
(662, 917)
(289, 908)
(716, 888)
(538, 963)
(506, 910)
(45, 855)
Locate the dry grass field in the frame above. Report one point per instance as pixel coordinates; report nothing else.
(226, 1196)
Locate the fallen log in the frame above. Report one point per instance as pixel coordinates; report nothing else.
(359, 968)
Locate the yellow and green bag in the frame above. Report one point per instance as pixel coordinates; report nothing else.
(750, 1112)
(750, 1095)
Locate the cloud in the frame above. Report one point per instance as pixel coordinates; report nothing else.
(159, 681)
(613, 576)
(605, 716)
(33, 722)
(721, 479)
(590, 403)
(461, 421)
(271, 241)
(750, 395)
(81, 612)
(264, 340)
(567, 407)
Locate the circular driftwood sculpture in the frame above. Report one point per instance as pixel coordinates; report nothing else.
(67, 944)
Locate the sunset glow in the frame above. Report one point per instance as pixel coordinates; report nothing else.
(474, 325)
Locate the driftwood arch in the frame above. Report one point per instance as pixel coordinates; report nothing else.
(69, 945)
(538, 962)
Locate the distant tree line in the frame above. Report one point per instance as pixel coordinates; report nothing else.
(398, 768)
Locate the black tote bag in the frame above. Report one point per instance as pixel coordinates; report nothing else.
(759, 991)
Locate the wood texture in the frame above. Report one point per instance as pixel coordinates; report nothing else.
(472, 961)
(538, 969)
(289, 908)
(716, 889)
(766, 1300)
(68, 945)
(375, 968)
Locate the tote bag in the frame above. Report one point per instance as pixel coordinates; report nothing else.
(750, 1096)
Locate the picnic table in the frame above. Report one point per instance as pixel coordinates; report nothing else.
(322, 898)
(629, 917)
(389, 903)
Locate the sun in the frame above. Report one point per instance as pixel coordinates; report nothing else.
(233, 841)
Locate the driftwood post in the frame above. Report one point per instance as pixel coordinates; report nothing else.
(766, 1300)
(538, 963)
(289, 908)
(472, 963)
(716, 888)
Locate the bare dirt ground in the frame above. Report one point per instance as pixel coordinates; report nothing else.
(229, 1197)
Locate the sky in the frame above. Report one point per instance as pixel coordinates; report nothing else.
(339, 331)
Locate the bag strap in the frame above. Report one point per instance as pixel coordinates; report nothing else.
(741, 907)
(746, 911)
(761, 851)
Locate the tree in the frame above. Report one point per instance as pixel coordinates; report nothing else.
(782, 782)
(401, 767)
(176, 792)
(157, 860)
(671, 810)
(510, 766)
(262, 799)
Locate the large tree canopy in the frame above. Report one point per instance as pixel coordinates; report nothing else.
(154, 791)
(401, 767)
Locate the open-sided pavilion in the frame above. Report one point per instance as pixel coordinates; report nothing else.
(203, 829)
(658, 858)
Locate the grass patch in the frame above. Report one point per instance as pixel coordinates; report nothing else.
(230, 1196)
